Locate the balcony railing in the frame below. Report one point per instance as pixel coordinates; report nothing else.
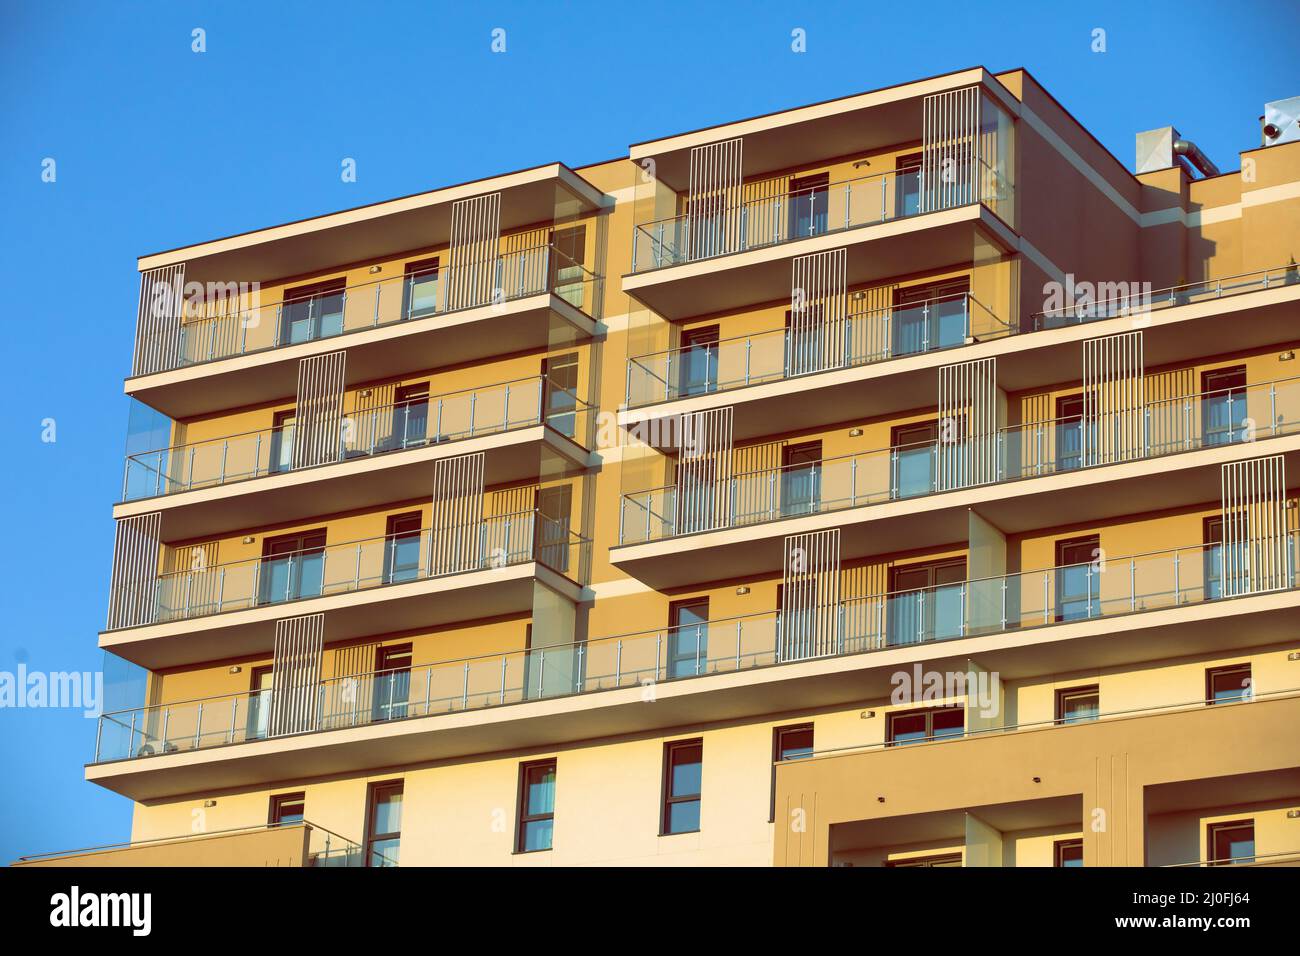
(221, 329)
(804, 213)
(363, 433)
(1133, 300)
(324, 847)
(495, 542)
(1163, 427)
(1029, 599)
(861, 338)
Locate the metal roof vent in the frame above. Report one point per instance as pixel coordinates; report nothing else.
(1281, 121)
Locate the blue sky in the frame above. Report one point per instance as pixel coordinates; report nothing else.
(157, 146)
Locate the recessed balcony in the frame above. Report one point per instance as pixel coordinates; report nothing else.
(398, 582)
(525, 427)
(1125, 608)
(917, 495)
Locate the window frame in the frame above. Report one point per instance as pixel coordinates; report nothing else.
(1247, 688)
(672, 648)
(925, 862)
(777, 734)
(667, 800)
(522, 816)
(1081, 690)
(929, 713)
(373, 793)
(1212, 830)
(275, 807)
(1059, 846)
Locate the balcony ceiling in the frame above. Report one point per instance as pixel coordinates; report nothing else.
(381, 230)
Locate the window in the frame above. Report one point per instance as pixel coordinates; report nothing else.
(282, 428)
(1237, 561)
(688, 637)
(411, 415)
(930, 316)
(1078, 581)
(925, 601)
(683, 765)
(312, 311)
(402, 547)
(788, 743)
(1223, 685)
(697, 370)
(805, 341)
(809, 203)
(287, 808)
(536, 806)
(1223, 404)
(569, 254)
(384, 823)
(800, 478)
(554, 517)
(292, 566)
(914, 456)
(1231, 843)
(699, 495)
(1075, 704)
(392, 682)
(560, 378)
(914, 726)
(1069, 432)
(260, 685)
(420, 289)
(943, 859)
(1067, 853)
(907, 185)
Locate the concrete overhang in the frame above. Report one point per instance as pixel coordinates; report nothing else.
(543, 194)
(353, 485)
(426, 603)
(1171, 336)
(806, 686)
(930, 521)
(926, 242)
(382, 352)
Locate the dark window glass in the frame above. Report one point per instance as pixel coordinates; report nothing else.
(1069, 432)
(411, 415)
(288, 808)
(1077, 704)
(554, 521)
(402, 548)
(260, 689)
(809, 201)
(312, 312)
(683, 765)
(805, 341)
(420, 289)
(925, 601)
(929, 317)
(292, 566)
(1231, 843)
(536, 806)
(384, 824)
(688, 637)
(1227, 684)
(1078, 580)
(392, 685)
(789, 743)
(697, 370)
(560, 378)
(282, 430)
(568, 255)
(913, 458)
(1067, 853)
(914, 726)
(907, 185)
(1223, 405)
(801, 478)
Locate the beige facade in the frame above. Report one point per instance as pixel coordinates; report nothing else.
(894, 480)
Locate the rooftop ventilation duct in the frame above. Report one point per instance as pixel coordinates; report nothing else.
(1281, 122)
(1163, 148)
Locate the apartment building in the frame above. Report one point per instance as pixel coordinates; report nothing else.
(899, 480)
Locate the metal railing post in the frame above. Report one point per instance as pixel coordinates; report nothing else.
(234, 716)
(618, 662)
(198, 730)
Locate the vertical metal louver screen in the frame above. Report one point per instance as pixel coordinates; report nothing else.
(713, 208)
(810, 596)
(1114, 399)
(132, 594)
(967, 452)
(1256, 553)
(295, 669)
(158, 320)
(949, 148)
(319, 423)
(703, 500)
(817, 338)
(475, 248)
(457, 520)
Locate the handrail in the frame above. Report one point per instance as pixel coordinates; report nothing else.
(181, 838)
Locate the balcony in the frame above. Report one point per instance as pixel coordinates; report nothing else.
(383, 454)
(285, 844)
(1128, 604)
(1119, 764)
(414, 579)
(864, 337)
(675, 261)
(783, 500)
(534, 298)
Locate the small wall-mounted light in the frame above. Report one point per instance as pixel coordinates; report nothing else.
(742, 590)
(1293, 656)
(880, 799)
(1293, 814)
(249, 539)
(855, 432)
(861, 162)
(1286, 356)
(366, 392)
(859, 296)
(209, 803)
(1038, 780)
(234, 669)
(866, 715)
(374, 269)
